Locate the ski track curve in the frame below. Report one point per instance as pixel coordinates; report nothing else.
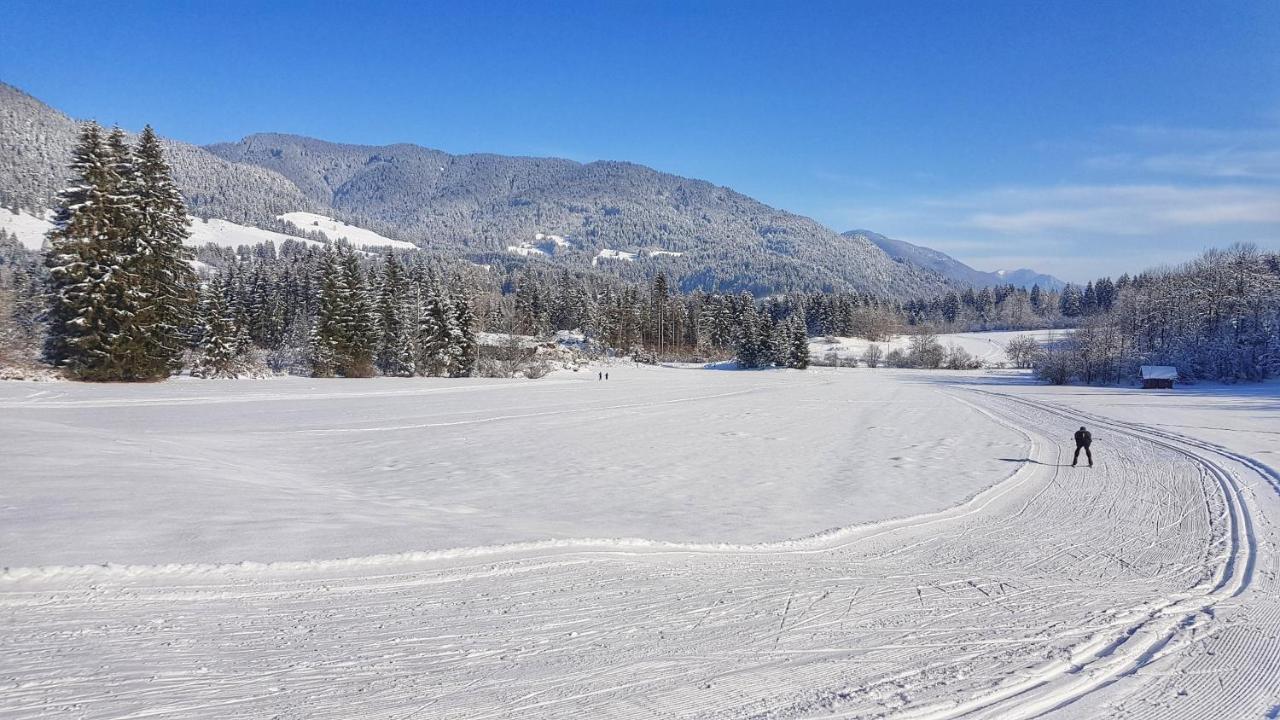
(1057, 592)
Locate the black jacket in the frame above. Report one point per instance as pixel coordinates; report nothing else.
(1083, 438)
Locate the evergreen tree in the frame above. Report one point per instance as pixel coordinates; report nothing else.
(221, 355)
(91, 301)
(468, 344)
(362, 328)
(799, 356)
(395, 346)
(162, 263)
(749, 348)
(1071, 303)
(329, 331)
(440, 351)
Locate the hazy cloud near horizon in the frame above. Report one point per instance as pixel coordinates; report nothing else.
(1131, 198)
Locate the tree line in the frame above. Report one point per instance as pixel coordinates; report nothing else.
(1214, 318)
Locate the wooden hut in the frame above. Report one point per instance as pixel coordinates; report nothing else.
(1158, 376)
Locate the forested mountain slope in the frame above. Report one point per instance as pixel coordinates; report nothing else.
(614, 217)
(489, 203)
(35, 147)
(954, 270)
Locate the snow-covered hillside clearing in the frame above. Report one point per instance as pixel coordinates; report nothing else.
(336, 229)
(225, 233)
(30, 231)
(985, 581)
(28, 228)
(542, 244)
(607, 254)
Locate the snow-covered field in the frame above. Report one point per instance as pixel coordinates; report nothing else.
(30, 231)
(27, 228)
(985, 346)
(847, 543)
(335, 229)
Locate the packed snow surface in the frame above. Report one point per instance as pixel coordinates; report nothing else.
(986, 579)
(335, 229)
(985, 346)
(302, 469)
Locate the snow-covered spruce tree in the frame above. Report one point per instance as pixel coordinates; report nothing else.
(92, 301)
(344, 336)
(220, 348)
(362, 330)
(468, 343)
(439, 337)
(799, 347)
(749, 351)
(329, 333)
(161, 262)
(395, 346)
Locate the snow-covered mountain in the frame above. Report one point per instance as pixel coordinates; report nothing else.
(35, 149)
(493, 204)
(479, 206)
(952, 269)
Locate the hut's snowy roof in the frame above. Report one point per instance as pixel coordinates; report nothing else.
(1159, 372)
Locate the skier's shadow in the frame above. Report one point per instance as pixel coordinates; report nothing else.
(1033, 462)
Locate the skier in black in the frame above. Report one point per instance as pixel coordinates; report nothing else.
(1083, 440)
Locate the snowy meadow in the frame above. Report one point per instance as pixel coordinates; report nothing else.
(674, 541)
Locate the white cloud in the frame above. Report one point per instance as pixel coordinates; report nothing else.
(1119, 209)
(1133, 196)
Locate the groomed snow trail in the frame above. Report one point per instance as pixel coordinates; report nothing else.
(1142, 588)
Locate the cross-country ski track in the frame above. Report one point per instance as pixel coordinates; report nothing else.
(1142, 588)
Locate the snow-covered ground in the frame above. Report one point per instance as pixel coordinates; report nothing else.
(607, 254)
(28, 228)
(971, 574)
(300, 469)
(30, 231)
(225, 233)
(335, 229)
(985, 346)
(542, 244)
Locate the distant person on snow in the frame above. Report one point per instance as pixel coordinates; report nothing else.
(599, 376)
(606, 376)
(1083, 440)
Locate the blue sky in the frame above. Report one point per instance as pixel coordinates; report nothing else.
(1080, 138)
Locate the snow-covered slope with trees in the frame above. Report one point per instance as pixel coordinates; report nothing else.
(30, 231)
(489, 203)
(337, 230)
(27, 227)
(35, 149)
(479, 205)
(954, 270)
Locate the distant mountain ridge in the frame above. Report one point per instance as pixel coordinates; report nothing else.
(616, 217)
(35, 149)
(707, 236)
(952, 269)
